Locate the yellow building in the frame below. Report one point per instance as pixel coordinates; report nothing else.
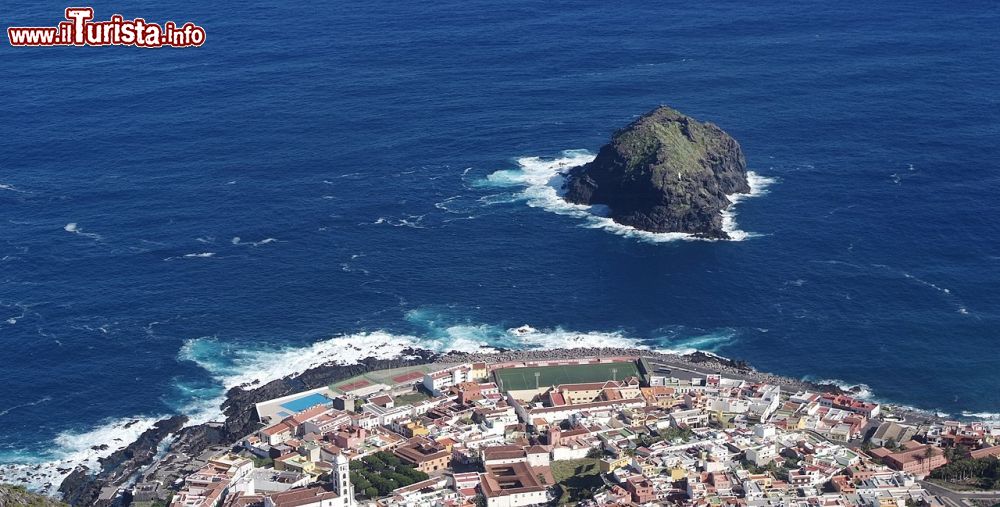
(414, 429)
(611, 464)
(297, 463)
(479, 371)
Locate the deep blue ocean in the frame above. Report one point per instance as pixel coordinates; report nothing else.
(175, 221)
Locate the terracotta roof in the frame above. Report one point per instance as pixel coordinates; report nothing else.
(277, 428)
(501, 480)
(382, 400)
(983, 453)
(298, 497)
(308, 414)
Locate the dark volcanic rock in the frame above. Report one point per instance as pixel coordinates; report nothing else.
(241, 416)
(18, 496)
(82, 488)
(699, 357)
(666, 172)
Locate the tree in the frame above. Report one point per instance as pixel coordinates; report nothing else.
(595, 453)
(389, 458)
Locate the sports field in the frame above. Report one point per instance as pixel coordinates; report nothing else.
(524, 378)
(391, 377)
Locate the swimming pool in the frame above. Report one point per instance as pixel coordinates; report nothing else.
(306, 402)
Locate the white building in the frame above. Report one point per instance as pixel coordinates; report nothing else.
(762, 455)
(438, 381)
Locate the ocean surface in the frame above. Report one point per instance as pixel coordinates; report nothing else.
(332, 180)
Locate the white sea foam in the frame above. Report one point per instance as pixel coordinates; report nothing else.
(411, 221)
(239, 242)
(758, 187)
(235, 366)
(73, 448)
(946, 292)
(542, 181)
(39, 401)
(10, 188)
(455, 204)
(232, 366)
(72, 227)
(25, 309)
(238, 366)
(862, 391)
(196, 255)
(981, 415)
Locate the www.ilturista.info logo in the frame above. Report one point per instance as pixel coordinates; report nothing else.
(80, 30)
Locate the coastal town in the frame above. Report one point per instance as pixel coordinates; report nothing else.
(627, 430)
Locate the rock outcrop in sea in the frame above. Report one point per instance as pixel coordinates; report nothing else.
(665, 172)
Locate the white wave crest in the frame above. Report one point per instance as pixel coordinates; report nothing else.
(72, 227)
(239, 242)
(39, 401)
(73, 448)
(543, 180)
(981, 415)
(411, 221)
(238, 367)
(232, 365)
(196, 255)
(862, 391)
(758, 187)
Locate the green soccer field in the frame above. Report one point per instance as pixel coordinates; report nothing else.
(524, 378)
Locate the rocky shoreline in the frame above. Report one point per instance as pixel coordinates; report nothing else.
(144, 459)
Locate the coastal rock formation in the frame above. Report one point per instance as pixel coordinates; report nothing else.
(666, 172)
(18, 496)
(83, 488)
(241, 415)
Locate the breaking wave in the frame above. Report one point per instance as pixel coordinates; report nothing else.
(71, 449)
(198, 255)
(542, 181)
(411, 221)
(982, 415)
(862, 391)
(239, 242)
(72, 227)
(39, 401)
(231, 365)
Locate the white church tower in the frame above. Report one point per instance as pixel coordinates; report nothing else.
(344, 487)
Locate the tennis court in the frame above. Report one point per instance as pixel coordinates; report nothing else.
(524, 378)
